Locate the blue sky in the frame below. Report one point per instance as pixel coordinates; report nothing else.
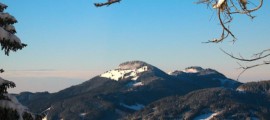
(80, 41)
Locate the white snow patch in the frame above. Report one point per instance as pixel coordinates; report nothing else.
(193, 69)
(207, 116)
(2, 81)
(219, 4)
(119, 74)
(83, 114)
(133, 107)
(4, 35)
(45, 118)
(170, 73)
(242, 90)
(135, 84)
(130, 65)
(45, 112)
(6, 16)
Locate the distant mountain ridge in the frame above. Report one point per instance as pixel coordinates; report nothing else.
(208, 104)
(205, 77)
(122, 91)
(262, 87)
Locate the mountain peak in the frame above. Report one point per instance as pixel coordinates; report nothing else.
(130, 69)
(131, 65)
(193, 69)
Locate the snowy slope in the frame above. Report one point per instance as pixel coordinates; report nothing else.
(194, 69)
(126, 70)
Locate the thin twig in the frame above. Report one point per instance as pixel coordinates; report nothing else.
(244, 59)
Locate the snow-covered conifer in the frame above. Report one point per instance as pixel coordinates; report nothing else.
(10, 108)
(8, 40)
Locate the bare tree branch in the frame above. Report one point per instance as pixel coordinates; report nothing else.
(227, 8)
(109, 2)
(245, 68)
(259, 56)
(246, 11)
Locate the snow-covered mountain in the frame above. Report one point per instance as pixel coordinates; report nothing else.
(121, 91)
(193, 69)
(205, 77)
(128, 70)
(196, 70)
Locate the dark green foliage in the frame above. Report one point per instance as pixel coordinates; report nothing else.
(8, 114)
(4, 86)
(231, 105)
(28, 116)
(8, 46)
(1, 71)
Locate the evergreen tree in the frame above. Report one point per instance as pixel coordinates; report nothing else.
(8, 40)
(10, 108)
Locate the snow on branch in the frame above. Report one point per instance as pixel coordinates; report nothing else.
(225, 10)
(6, 18)
(10, 42)
(109, 2)
(2, 7)
(5, 84)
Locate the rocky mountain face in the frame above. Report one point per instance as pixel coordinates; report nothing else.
(130, 89)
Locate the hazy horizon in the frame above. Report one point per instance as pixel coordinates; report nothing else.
(56, 80)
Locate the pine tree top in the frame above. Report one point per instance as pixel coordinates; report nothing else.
(8, 40)
(2, 7)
